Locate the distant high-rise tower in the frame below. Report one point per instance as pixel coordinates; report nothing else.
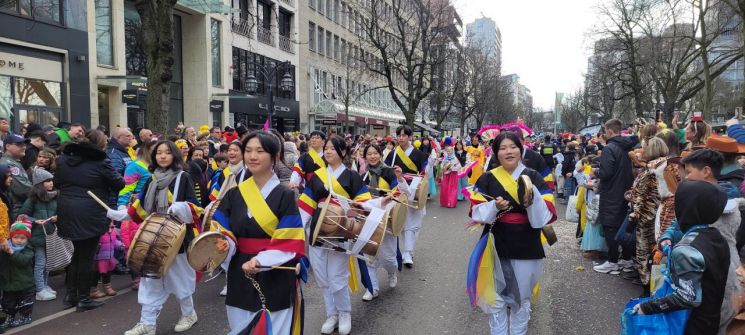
(484, 34)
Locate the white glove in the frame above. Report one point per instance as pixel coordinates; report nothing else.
(182, 211)
(117, 215)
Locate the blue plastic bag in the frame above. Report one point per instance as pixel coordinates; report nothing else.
(655, 324)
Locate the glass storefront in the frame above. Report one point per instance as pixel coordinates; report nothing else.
(30, 100)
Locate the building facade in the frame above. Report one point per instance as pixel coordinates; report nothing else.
(44, 61)
(483, 33)
(333, 81)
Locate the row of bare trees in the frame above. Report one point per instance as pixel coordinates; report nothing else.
(662, 54)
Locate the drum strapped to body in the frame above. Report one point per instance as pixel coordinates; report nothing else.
(363, 233)
(421, 191)
(203, 254)
(398, 215)
(155, 245)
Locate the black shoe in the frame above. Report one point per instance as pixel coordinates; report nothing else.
(120, 270)
(637, 282)
(88, 304)
(630, 275)
(70, 300)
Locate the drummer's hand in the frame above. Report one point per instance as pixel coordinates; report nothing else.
(399, 173)
(387, 199)
(292, 185)
(251, 267)
(53, 218)
(222, 245)
(39, 222)
(502, 204)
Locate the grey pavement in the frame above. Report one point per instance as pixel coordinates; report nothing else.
(429, 299)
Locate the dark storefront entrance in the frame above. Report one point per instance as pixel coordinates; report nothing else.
(252, 113)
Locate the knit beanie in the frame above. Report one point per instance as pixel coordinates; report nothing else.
(20, 228)
(40, 175)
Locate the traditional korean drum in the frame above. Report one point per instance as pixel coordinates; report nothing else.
(155, 245)
(333, 228)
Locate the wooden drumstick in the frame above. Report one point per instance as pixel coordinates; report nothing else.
(98, 200)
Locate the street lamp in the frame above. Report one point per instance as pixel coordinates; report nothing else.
(286, 85)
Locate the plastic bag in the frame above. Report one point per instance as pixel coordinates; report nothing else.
(672, 323)
(571, 214)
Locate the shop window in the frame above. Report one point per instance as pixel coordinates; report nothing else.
(6, 99)
(46, 10)
(104, 42)
(38, 93)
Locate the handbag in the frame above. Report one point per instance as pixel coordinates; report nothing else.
(672, 323)
(571, 213)
(59, 251)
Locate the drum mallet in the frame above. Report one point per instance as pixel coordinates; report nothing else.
(295, 268)
(98, 200)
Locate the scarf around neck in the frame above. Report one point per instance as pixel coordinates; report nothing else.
(156, 198)
(375, 172)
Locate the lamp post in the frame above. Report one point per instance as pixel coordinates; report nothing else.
(287, 84)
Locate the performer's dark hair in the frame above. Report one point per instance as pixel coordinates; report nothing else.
(178, 159)
(339, 145)
(373, 146)
(405, 129)
(506, 135)
(317, 133)
(268, 142)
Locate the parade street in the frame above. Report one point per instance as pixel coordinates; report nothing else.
(429, 299)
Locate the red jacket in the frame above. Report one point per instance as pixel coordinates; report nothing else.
(230, 136)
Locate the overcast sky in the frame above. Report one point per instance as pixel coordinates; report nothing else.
(544, 41)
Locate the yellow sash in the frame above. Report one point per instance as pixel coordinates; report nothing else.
(338, 189)
(383, 184)
(316, 158)
(259, 209)
(509, 184)
(405, 159)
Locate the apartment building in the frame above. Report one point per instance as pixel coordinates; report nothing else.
(333, 80)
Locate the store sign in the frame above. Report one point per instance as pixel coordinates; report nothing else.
(378, 127)
(217, 106)
(328, 122)
(30, 67)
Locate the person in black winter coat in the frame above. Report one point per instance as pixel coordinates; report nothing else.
(83, 166)
(616, 178)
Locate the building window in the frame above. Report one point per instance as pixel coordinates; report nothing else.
(45, 10)
(104, 41)
(336, 11)
(329, 45)
(216, 56)
(264, 13)
(336, 47)
(343, 51)
(329, 10)
(312, 4)
(311, 36)
(320, 7)
(320, 40)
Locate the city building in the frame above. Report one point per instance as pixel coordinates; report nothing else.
(518, 93)
(484, 34)
(118, 80)
(333, 79)
(265, 51)
(44, 57)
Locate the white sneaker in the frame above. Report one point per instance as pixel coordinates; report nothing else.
(606, 267)
(345, 323)
(50, 290)
(369, 296)
(392, 280)
(185, 323)
(45, 295)
(330, 324)
(408, 262)
(224, 291)
(141, 329)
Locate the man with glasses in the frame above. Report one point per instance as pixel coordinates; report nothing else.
(214, 140)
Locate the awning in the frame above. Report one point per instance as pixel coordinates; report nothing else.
(330, 109)
(426, 127)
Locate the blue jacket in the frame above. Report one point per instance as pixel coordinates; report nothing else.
(118, 156)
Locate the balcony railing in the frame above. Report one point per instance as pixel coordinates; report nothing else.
(290, 3)
(264, 35)
(241, 26)
(285, 43)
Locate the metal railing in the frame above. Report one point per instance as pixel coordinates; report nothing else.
(264, 35)
(285, 44)
(241, 26)
(290, 3)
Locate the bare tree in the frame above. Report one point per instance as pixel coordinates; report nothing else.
(157, 33)
(478, 94)
(575, 113)
(397, 40)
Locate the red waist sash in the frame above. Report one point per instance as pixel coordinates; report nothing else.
(252, 246)
(514, 218)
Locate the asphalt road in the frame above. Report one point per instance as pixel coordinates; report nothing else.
(429, 299)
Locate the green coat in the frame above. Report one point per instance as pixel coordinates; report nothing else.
(17, 271)
(39, 210)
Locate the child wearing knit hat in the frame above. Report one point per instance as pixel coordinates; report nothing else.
(17, 277)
